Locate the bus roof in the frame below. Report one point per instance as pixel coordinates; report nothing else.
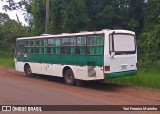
(75, 34)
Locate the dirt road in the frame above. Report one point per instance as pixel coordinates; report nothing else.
(17, 89)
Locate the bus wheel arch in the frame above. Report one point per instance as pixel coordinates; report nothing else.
(68, 76)
(27, 70)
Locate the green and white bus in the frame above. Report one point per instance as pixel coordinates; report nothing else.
(78, 56)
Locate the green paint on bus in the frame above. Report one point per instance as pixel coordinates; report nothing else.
(119, 74)
(80, 60)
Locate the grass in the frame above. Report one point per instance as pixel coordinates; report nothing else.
(7, 62)
(145, 79)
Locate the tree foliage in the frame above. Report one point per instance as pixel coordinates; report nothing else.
(80, 15)
(141, 16)
(9, 31)
(149, 43)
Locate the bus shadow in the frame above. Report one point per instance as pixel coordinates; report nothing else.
(104, 86)
(49, 78)
(94, 85)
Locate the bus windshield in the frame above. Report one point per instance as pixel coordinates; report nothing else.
(122, 44)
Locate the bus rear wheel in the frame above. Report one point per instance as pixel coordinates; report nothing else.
(69, 77)
(28, 71)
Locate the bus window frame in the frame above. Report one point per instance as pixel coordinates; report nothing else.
(120, 52)
(68, 46)
(60, 37)
(18, 54)
(45, 45)
(76, 46)
(53, 46)
(94, 35)
(34, 47)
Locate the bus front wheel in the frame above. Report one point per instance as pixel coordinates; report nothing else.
(69, 77)
(28, 71)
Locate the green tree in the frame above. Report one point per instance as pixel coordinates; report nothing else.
(65, 16)
(37, 9)
(149, 42)
(3, 18)
(136, 15)
(115, 14)
(79, 15)
(68, 16)
(10, 30)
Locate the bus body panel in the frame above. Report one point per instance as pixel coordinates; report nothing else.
(56, 70)
(84, 67)
(120, 65)
(19, 66)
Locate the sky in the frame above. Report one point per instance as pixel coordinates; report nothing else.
(12, 14)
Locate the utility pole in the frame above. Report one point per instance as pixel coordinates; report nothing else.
(47, 18)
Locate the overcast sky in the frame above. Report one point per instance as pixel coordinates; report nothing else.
(12, 14)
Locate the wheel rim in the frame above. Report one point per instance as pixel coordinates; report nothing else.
(69, 77)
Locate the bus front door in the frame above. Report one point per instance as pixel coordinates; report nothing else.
(19, 56)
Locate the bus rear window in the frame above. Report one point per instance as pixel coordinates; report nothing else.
(122, 43)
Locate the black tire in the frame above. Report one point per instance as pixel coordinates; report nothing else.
(69, 77)
(28, 71)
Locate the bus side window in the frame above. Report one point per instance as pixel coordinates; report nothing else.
(81, 45)
(95, 45)
(73, 44)
(57, 46)
(30, 47)
(91, 43)
(41, 46)
(19, 50)
(54, 46)
(99, 45)
(64, 46)
(68, 45)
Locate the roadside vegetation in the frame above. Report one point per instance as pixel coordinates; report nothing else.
(7, 62)
(146, 79)
(141, 16)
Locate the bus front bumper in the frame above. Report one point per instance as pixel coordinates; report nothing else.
(120, 74)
